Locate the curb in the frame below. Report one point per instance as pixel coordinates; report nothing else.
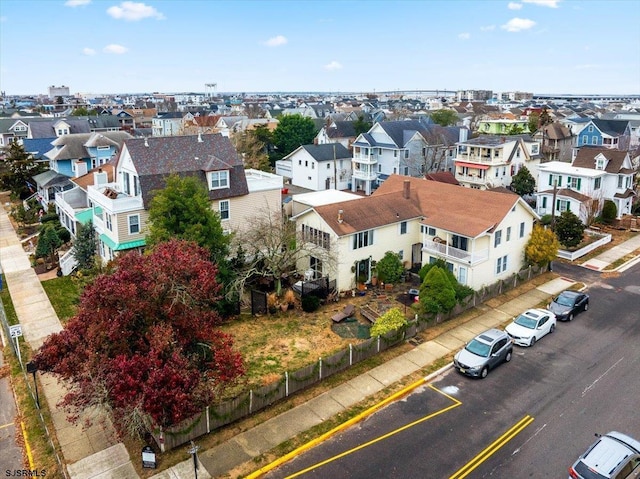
(341, 427)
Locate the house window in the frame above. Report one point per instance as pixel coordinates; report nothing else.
(306, 163)
(328, 166)
(313, 166)
(223, 208)
(501, 264)
(573, 183)
(406, 154)
(585, 139)
(299, 162)
(379, 151)
(496, 153)
(594, 140)
(518, 153)
(431, 231)
(315, 236)
(620, 181)
(395, 153)
(125, 180)
(134, 224)
(406, 171)
(403, 228)
(107, 218)
(508, 233)
(363, 239)
(401, 254)
(597, 182)
(219, 179)
(544, 202)
(534, 149)
(459, 242)
(379, 168)
(136, 186)
(555, 178)
(599, 164)
(497, 238)
(562, 205)
(522, 230)
(590, 129)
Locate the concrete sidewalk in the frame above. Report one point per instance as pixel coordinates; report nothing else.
(264, 437)
(600, 262)
(39, 320)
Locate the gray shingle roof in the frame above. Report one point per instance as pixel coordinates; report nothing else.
(156, 158)
(585, 158)
(326, 151)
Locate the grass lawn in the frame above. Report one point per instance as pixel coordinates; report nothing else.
(7, 303)
(63, 293)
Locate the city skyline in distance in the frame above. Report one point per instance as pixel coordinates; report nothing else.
(539, 46)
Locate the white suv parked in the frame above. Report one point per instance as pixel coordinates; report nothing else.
(613, 455)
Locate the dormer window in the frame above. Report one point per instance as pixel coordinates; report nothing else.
(600, 164)
(534, 149)
(218, 180)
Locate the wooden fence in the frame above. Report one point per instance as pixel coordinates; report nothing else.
(218, 415)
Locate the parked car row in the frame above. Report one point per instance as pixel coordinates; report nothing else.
(494, 347)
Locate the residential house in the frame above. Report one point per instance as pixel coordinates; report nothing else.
(228, 125)
(342, 132)
(490, 161)
(409, 147)
(317, 167)
(557, 142)
(614, 134)
(595, 174)
(503, 126)
(120, 209)
(168, 124)
(480, 234)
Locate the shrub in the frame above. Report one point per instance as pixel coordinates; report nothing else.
(392, 320)
(310, 303)
(569, 229)
(50, 218)
(390, 268)
(545, 220)
(609, 211)
(289, 297)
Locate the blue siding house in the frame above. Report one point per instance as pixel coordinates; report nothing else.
(614, 134)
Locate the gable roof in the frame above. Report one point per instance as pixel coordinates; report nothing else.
(611, 127)
(74, 146)
(465, 211)
(45, 127)
(328, 151)
(556, 131)
(342, 129)
(585, 158)
(156, 158)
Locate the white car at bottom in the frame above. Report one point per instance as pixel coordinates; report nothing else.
(530, 326)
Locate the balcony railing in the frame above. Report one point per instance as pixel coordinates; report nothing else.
(364, 175)
(443, 249)
(120, 204)
(475, 179)
(365, 159)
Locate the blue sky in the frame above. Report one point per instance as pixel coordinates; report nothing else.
(98, 46)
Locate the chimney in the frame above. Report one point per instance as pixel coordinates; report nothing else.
(340, 216)
(406, 189)
(199, 138)
(81, 168)
(146, 143)
(99, 177)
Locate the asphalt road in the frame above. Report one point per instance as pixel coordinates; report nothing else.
(10, 452)
(531, 417)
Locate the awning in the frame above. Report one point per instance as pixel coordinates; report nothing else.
(121, 246)
(84, 216)
(472, 165)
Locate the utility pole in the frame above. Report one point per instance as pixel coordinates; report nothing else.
(553, 205)
(194, 453)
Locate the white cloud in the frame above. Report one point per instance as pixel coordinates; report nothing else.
(76, 3)
(88, 51)
(514, 6)
(115, 49)
(464, 36)
(333, 66)
(518, 24)
(132, 12)
(488, 28)
(276, 41)
(543, 3)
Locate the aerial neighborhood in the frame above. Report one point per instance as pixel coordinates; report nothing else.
(202, 234)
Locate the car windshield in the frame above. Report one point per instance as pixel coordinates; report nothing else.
(476, 347)
(564, 300)
(526, 321)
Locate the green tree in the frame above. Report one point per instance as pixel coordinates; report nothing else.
(292, 131)
(392, 320)
(59, 100)
(609, 211)
(390, 269)
(182, 210)
(542, 246)
(83, 111)
(545, 118)
(523, 182)
(444, 117)
(534, 122)
(84, 247)
(253, 150)
(437, 295)
(48, 243)
(361, 126)
(17, 170)
(461, 290)
(569, 229)
(515, 130)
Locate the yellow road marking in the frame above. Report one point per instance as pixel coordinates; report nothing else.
(27, 446)
(492, 448)
(7, 425)
(343, 426)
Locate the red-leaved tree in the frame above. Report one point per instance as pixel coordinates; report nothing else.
(144, 343)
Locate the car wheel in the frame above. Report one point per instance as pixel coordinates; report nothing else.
(552, 328)
(533, 341)
(484, 372)
(570, 317)
(507, 358)
(586, 306)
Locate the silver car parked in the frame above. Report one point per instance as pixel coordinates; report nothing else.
(483, 353)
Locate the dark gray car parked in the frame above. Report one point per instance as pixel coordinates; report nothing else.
(484, 352)
(569, 303)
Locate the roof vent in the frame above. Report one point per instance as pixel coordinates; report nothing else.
(199, 138)
(146, 143)
(340, 216)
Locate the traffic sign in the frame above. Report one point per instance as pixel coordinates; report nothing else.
(15, 331)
